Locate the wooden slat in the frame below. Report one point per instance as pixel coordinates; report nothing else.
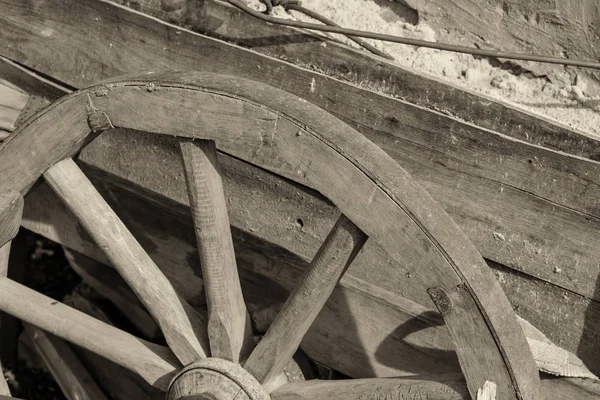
(107, 282)
(11, 211)
(229, 330)
(154, 363)
(304, 304)
(411, 140)
(72, 377)
(130, 259)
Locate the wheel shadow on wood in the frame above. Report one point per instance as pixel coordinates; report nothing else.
(417, 355)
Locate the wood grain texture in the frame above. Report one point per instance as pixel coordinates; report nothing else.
(229, 330)
(66, 368)
(431, 239)
(11, 212)
(108, 283)
(444, 153)
(130, 259)
(154, 363)
(286, 332)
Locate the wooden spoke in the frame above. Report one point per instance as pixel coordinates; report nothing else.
(408, 388)
(11, 212)
(129, 258)
(154, 363)
(70, 374)
(229, 327)
(299, 311)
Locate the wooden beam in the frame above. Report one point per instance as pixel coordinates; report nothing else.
(154, 363)
(133, 263)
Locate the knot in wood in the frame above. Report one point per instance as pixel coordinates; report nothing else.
(215, 379)
(440, 298)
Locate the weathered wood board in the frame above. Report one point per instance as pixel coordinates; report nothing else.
(487, 218)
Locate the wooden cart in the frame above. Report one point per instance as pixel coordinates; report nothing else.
(282, 170)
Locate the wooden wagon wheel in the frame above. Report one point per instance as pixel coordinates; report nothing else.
(283, 134)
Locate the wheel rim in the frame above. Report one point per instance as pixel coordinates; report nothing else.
(280, 143)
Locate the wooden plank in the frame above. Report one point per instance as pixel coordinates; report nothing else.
(229, 330)
(72, 377)
(507, 206)
(288, 329)
(177, 322)
(154, 363)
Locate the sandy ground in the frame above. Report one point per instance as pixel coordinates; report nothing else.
(562, 98)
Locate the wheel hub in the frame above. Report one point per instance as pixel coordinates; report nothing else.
(215, 379)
